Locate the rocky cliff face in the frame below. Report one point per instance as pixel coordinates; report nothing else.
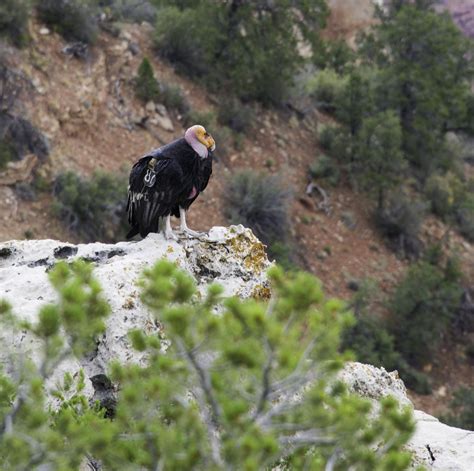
(231, 256)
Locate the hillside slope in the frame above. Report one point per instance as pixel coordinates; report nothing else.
(88, 111)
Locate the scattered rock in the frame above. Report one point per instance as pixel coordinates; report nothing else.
(6, 252)
(163, 122)
(44, 31)
(65, 251)
(150, 107)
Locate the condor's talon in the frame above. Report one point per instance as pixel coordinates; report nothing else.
(170, 235)
(168, 232)
(191, 233)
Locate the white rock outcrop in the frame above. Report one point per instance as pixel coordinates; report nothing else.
(231, 256)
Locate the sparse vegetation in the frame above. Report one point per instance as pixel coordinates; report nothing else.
(147, 87)
(370, 340)
(7, 153)
(326, 88)
(135, 11)
(423, 307)
(173, 98)
(14, 16)
(232, 420)
(325, 168)
(399, 221)
(462, 409)
(235, 115)
(250, 49)
(93, 208)
(75, 20)
(260, 202)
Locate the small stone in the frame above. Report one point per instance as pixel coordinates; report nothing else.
(44, 31)
(150, 107)
(163, 122)
(161, 109)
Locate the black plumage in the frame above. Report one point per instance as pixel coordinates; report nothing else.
(162, 181)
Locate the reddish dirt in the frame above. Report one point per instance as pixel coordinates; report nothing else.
(86, 108)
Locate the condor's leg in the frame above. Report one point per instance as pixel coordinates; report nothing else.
(168, 232)
(184, 227)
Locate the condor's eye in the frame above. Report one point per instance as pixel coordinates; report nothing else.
(206, 134)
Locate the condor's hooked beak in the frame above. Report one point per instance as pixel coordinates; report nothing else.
(210, 143)
(212, 148)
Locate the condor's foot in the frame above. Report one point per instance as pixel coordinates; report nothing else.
(190, 233)
(170, 235)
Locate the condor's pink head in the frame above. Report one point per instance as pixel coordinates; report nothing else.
(200, 140)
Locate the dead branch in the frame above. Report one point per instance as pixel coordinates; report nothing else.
(325, 204)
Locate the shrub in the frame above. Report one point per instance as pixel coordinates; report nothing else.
(177, 38)
(204, 118)
(24, 137)
(326, 136)
(75, 20)
(444, 192)
(245, 48)
(146, 86)
(400, 222)
(93, 208)
(134, 11)
(172, 97)
(260, 202)
(14, 16)
(336, 55)
(326, 88)
(224, 138)
(422, 309)
(325, 167)
(372, 343)
(236, 115)
(465, 216)
(462, 409)
(220, 398)
(380, 163)
(7, 153)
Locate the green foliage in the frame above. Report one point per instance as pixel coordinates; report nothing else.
(444, 192)
(30, 433)
(326, 87)
(7, 153)
(94, 208)
(173, 98)
(371, 342)
(251, 48)
(14, 16)
(236, 115)
(132, 11)
(462, 409)
(178, 38)
(380, 161)
(326, 137)
(453, 200)
(243, 368)
(326, 168)
(260, 202)
(75, 20)
(356, 99)
(334, 54)
(400, 221)
(465, 216)
(146, 86)
(423, 76)
(204, 118)
(422, 308)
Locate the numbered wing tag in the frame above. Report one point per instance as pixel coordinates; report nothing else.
(150, 178)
